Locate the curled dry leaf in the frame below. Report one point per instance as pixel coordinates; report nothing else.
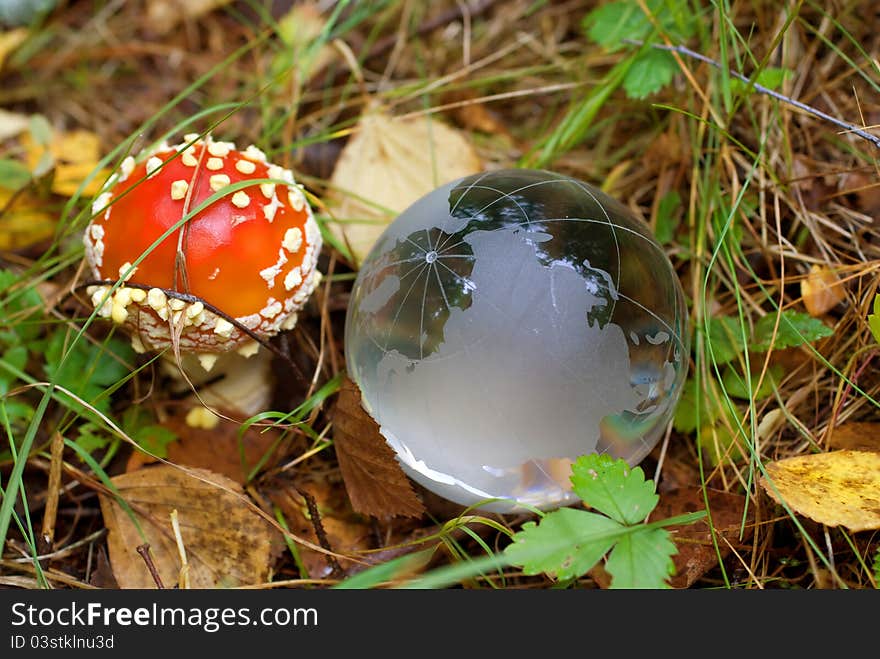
(385, 167)
(227, 544)
(696, 550)
(840, 488)
(373, 478)
(821, 290)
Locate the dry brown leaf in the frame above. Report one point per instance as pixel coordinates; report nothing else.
(217, 449)
(473, 114)
(821, 290)
(856, 435)
(373, 478)
(24, 221)
(386, 166)
(227, 544)
(347, 532)
(840, 488)
(75, 155)
(696, 551)
(163, 15)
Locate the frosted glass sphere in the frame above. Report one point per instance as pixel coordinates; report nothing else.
(509, 322)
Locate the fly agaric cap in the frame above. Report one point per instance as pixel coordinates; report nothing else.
(248, 256)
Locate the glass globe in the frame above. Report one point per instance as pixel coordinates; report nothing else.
(509, 322)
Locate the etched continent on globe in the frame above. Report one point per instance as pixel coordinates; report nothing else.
(506, 324)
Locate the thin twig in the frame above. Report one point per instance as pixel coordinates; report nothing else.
(144, 551)
(51, 511)
(684, 50)
(321, 534)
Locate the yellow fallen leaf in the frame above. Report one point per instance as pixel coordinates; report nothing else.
(75, 154)
(385, 167)
(23, 222)
(840, 488)
(226, 543)
(10, 40)
(821, 290)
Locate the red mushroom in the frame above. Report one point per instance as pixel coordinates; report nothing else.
(251, 254)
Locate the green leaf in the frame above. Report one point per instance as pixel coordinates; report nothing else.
(771, 78)
(566, 543)
(154, 439)
(652, 70)
(642, 559)
(90, 439)
(13, 174)
(610, 24)
(795, 329)
(41, 130)
(735, 385)
(667, 218)
(16, 357)
(725, 339)
(12, 411)
(19, 311)
(709, 403)
(89, 369)
(613, 488)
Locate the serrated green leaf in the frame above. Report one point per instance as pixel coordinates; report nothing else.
(724, 339)
(614, 488)
(735, 385)
(12, 411)
(610, 24)
(642, 559)
(90, 439)
(89, 369)
(795, 329)
(652, 70)
(19, 311)
(566, 543)
(16, 357)
(154, 439)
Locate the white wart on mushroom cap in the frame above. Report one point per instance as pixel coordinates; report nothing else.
(251, 254)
